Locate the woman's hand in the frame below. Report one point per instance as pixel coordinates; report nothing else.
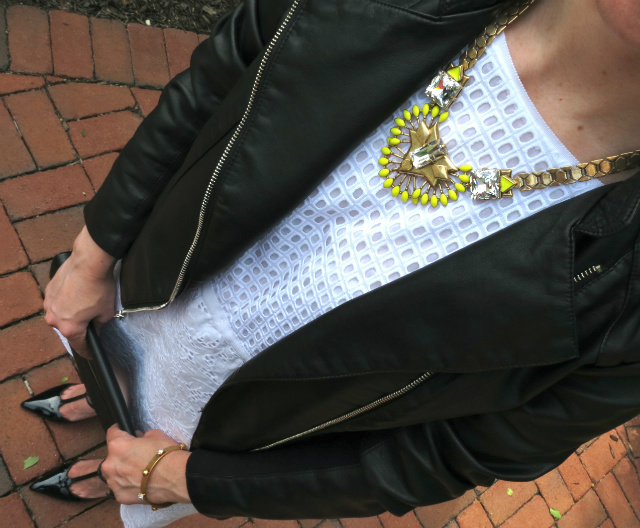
(83, 289)
(128, 456)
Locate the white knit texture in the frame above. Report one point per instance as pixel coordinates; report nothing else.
(349, 237)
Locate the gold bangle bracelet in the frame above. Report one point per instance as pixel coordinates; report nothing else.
(146, 473)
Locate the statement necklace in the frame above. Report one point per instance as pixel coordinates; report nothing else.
(416, 164)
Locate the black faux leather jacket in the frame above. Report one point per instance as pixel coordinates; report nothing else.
(490, 363)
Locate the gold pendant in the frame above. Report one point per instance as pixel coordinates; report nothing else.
(416, 163)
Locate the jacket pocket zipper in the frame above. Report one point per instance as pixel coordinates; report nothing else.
(356, 412)
(214, 177)
(588, 272)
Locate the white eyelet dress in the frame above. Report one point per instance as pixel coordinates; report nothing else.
(347, 238)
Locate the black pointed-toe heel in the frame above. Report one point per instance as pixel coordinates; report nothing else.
(48, 403)
(57, 484)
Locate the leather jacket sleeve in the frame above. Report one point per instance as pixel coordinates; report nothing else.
(363, 474)
(116, 214)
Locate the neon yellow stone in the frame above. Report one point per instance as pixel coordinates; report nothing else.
(383, 161)
(415, 201)
(464, 178)
(425, 199)
(505, 184)
(425, 109)
(443, 116)
(443, 199)
(393, 141)
(453, 195)
(384, 173)
(416, 110)
(400, 122)
(388, 183)
(455, 73)
(435, 110)
(395, 191)
(416, 194)
(460, 187)
(466, 167)
(385, 150)
(405, 196)
(407, 115)
(434, 201)
(396, 131)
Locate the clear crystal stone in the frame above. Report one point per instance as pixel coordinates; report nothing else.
(430, 153)
(443, 89)
(160, 451)
(141, 496)
(485, 184)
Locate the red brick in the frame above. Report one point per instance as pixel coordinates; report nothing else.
(19, 297)
(202, 37)
(71, 44)
(10, 82)
(40, 128)
(607, 524)
(331, 523)
(15, 157)
(49, 512)
(615, 502)
(555, 491)
(634, 440)
(620, 433)
(500, 505)
(634, 422)
(111, 50)
(261, 523)
(600, 457)
(105, 515)
(41, 273)
(575, 476)
(148, 55)
(628, 479)
(586, 513)
(367, 522)
(13, 512)
(4, 49)
(534, 514)
(408, 520)
(474, 517)
(45, 236)
(77, 100)
(147, 99)
(72, 439)
(27, 435)
(103, 133)
(98, 168)
(29, 41)
(12, 256)
(437, 515)
(309, 523)
(200, 521)
(53, 79)
(27, 345)
(180, 45)
(42, 192)
(6, 483)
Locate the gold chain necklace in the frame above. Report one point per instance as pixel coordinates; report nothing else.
(416, 163)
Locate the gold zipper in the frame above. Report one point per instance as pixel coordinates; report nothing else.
(357, 412)
(586, 273)
(207, 195)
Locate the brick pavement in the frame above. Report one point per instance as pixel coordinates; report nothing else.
(72, 91)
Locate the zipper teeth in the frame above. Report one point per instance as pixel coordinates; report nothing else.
(355, 412)
(216, 172)
(590, 271)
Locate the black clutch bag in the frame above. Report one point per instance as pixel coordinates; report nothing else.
(98, 376)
